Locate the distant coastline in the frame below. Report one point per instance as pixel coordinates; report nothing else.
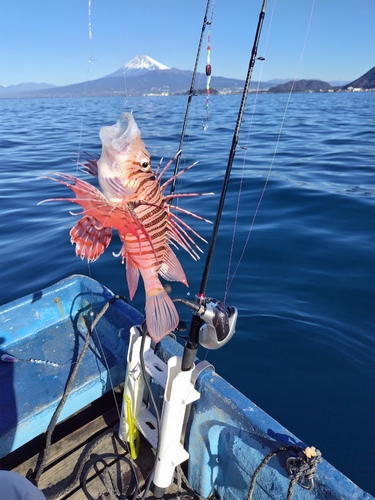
(144, 76)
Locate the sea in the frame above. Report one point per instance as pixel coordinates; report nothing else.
(295, 251)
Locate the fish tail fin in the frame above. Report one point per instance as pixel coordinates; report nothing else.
(161, 315)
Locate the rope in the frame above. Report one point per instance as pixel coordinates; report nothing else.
(42, 459)
(302, 467)
(53, 492)
(180, 476)
(110, 484)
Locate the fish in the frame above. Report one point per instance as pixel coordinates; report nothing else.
(131, 200)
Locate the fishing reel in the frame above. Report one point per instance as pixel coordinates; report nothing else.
(217, 323)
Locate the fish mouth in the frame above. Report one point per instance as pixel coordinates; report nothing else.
(120, 135)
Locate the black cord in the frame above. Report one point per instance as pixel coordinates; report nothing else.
(157, 416)
(101, 458)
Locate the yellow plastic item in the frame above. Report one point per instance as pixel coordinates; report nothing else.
(134, 437)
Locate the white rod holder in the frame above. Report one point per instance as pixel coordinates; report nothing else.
(135, 416)
(134, 410)
(179, 392)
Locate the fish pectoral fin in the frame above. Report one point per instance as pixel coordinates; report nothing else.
(171, 268)
(161, 315)
(116, 187)
(90, 239)
(132, 275)
(93, 202)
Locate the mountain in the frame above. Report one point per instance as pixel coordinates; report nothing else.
(277, 81)
(146, 76)
(24, 87)
(140, 76)
(302, 86)
(366, 81)
(338, 83)
(167, 81)
(139, 65)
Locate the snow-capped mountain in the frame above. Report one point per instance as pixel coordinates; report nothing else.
(140, 64)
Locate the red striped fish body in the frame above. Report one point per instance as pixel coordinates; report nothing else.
(132, 201)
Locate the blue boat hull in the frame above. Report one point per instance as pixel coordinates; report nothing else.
(227, 435)
(50, 326)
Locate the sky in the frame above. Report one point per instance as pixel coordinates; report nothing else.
(71, 41)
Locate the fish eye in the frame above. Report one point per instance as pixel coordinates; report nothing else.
(145, 164)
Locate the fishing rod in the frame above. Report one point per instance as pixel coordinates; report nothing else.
(173, 186)
(205, 309)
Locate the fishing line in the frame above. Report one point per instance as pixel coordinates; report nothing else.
(105, 362)
(83, 109)
(122, 15)
(190, 96)
(274, 153)
(90, 60)
(232, 151)
(244, 160)
(191, 347)
(83, 114)
(89, 13)
(10, 358)
(208, 71)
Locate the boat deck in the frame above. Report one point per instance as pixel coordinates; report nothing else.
(74, 454)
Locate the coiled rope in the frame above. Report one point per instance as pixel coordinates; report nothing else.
(301, 469)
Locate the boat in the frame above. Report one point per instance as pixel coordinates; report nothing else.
(227, 439)
(90, 407)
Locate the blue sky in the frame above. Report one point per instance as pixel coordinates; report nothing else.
(48, 40)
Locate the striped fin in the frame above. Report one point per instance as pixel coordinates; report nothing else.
(90, 240)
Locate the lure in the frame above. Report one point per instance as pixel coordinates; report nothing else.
(208, 75)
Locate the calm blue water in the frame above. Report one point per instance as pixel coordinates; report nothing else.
(304, 349)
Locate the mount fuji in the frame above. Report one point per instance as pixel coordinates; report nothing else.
(138, 66)
(140, 76)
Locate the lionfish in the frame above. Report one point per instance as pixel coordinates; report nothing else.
(132, 201)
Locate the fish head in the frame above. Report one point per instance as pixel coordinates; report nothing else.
(124, 162)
